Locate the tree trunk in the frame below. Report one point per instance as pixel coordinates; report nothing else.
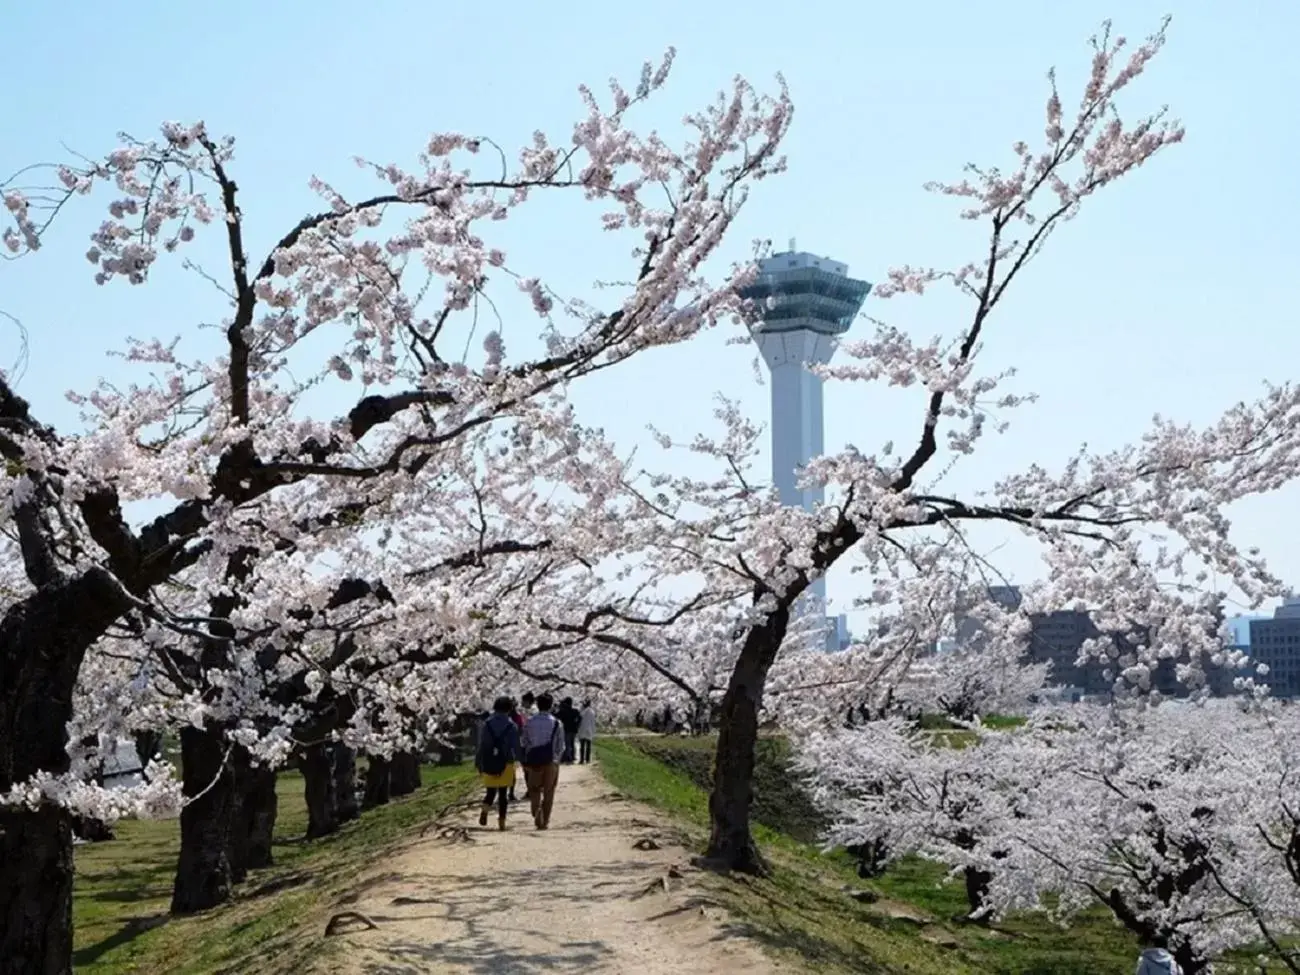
(148, 746)
(378, 782)
(872, 858)
(404, 774)
(345, 781)
(36, 891)
(87, 828)
(92, 830)
(238, 835)
(260, 806)
(43, 639)
(204, 873)
(1152, 935)
(731, 845)
(977, 889)
(448, 753)
(1188, 960)
(320, 791)
(214, 840)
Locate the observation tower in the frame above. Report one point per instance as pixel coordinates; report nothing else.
(806, 303)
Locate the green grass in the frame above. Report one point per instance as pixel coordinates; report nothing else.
(123, 888)
(779, 803)
(805, 911)
(1003, 721)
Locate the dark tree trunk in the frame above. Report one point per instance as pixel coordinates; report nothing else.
(259, 807)
(252, 815)
(204, 872)
(977, 888)
(214, 840)
(345, 781)
(87, 828)
(378, 782)
(1153, 936)
(239, 833)
(148, 746)
(1188, 960)
(320, 791)
(43, 640)
(36, 910)
(872, 858)
(448, 753)
(404, 774)
(92, 830)
(731, 845)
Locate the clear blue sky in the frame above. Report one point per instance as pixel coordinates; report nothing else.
(1174, 292)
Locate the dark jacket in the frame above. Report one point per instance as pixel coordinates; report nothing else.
(501, 730)
(570, 718)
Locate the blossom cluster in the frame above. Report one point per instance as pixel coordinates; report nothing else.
(1179, 819)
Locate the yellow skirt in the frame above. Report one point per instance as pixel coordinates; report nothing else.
(505, 780)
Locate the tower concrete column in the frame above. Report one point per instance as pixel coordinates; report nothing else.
(805, 303)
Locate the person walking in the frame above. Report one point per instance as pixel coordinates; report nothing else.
(518, 719)
(527, 708)
(570, 719)
(1157, 961)
(543, 748)
(586, 732)
(498, 751)
(519, 723)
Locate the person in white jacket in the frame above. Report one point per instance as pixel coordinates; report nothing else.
(586, 732)
(1157, 961)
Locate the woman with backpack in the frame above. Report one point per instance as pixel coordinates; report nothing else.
(498, 751)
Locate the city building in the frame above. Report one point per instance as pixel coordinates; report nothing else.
(805, 303)
(968, 632)
(1275, 641)
(1240, 626)
(1057, 638)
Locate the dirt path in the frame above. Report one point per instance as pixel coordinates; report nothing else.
(579, 897)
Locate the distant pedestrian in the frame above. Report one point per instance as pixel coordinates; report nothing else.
(1157, 961)
(570, 718)
(543, 748)
(518, 719)
(498, 751)
(527, 705)
(586, 732)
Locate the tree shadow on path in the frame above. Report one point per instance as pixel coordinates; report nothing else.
(479, 924)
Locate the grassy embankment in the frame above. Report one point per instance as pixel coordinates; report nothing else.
(806, 909)
(273, 925)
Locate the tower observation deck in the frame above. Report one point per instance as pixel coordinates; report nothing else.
(805, 303)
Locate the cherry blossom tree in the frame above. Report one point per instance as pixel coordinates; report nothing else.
(1155, 793)
(965, 685)
(1257, 871)
(1095, 516)
(1172, 817)
(349, 298)
(894, 787)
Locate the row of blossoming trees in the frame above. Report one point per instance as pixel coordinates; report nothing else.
(1180, 821)
(305, 585)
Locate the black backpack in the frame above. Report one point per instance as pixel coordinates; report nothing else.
(493, 758)
(543, 754)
